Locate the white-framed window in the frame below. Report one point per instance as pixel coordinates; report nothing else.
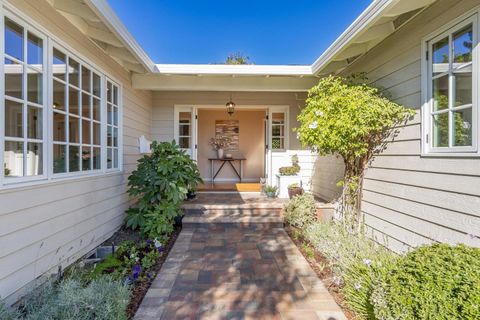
(23, 102)
(278, 123)
(450, 115)
(60, 115)
(113, 127)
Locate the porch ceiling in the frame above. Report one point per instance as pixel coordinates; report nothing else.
(161, 82)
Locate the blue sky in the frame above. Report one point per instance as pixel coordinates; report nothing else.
(268, 31)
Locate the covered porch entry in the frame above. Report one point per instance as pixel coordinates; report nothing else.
(254, 133)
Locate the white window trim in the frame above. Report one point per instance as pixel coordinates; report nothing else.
(50, 40)
(286, 142)
(428, 150)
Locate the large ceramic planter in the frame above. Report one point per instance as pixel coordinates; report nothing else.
(283, 182)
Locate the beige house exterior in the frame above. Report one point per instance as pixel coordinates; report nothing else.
(53, 214)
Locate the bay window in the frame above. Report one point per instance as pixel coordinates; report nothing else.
(61, 115)
(451, 113)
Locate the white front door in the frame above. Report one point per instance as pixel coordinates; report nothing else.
(277, 140)
(185, 129)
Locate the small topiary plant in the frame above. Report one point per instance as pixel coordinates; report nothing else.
(300, 211)
(432, 282)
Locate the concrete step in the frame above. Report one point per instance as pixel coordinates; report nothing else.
(250, 218)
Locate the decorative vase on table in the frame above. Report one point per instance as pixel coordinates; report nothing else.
(220, 153)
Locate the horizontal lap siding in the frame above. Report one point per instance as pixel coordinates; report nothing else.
(411, 200)
(52, 224)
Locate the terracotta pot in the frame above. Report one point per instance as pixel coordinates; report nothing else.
(292, 192)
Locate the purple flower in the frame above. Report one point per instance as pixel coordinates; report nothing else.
(368, 262)
(137, 269)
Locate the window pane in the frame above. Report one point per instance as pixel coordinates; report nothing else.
(74, 158)
(59, 127)
(13, 39)
(85, 105)
(115, 116)
(13, 79)
(184, 142)
(440, 57)
(86, 132)
(86, 158)
(109, 158)
(115, 158)
(96, 109)
(96, 84)
(109, 92)
(462, 45)
(34, 86)
(440, 93)
(109, 113)
(59, 155)
(184, 130)
(277, 130)
(13, 159)
(462, 127)
(277, 143)
(86, 79)
(34, 123)
(278, 117)
(96, 133)
(35, 51)
(59, 64)
(96, 158)
(13, 119)
(440, 130)
(109, 136)
(115, 137)
(34, 159)
(463, 86)
(58, 95)
(73, 72)
(74, 129)
(115, 95)
(73, 101)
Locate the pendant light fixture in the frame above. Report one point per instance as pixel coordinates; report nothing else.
(230, 106)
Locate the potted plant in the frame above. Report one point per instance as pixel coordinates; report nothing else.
(294, 189)
(219, 144)
(287, 176)
(271, 191)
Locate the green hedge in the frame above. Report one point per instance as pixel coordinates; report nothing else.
(432, 282)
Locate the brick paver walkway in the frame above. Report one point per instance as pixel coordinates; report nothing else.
(230, 272)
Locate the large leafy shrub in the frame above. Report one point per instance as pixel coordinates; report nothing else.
(300, 211)
(102, 298)
(355, 122)
(160, 183)
(432, 282)
(357, 262)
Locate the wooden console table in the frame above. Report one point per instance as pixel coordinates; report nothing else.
(230, 161)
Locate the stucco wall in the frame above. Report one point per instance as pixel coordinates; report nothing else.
(251, 143)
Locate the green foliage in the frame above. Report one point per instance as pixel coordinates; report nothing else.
(237, 58)
(160, 183)
(432, 282)
(103, 298)
(356, 261)
(293, 185)
(8, 313)
(291, 170)
(300, 211)
(271, 191)
(119, 265)
(355, 121)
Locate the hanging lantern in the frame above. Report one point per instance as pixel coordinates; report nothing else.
(230, 107)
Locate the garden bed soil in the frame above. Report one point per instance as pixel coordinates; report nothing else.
(139, 290)
(321, 266)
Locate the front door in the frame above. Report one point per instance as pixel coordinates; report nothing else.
(185, 129)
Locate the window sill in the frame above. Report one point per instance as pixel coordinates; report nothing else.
(450, 155)
(26, 185)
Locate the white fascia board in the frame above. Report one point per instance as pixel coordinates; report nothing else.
(108, 16)
(374, 10)
(221, 69)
